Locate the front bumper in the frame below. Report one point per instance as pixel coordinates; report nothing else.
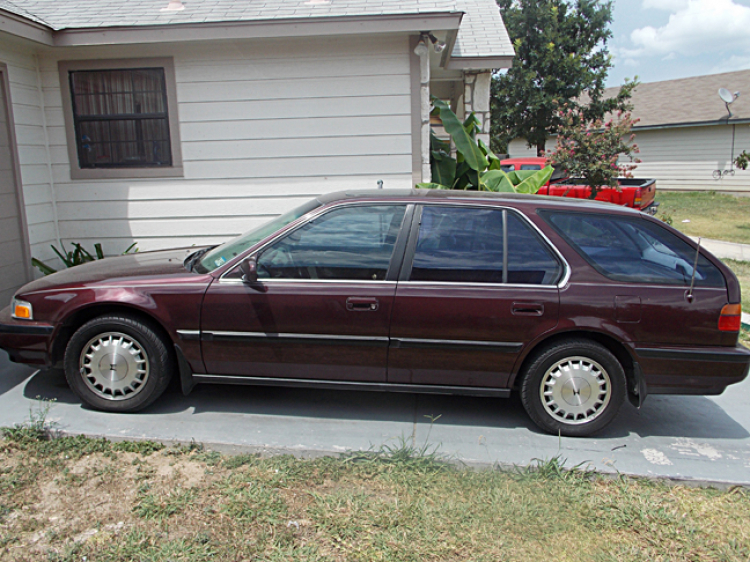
(26, 341)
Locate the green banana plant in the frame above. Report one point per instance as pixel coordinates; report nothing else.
(475, 166)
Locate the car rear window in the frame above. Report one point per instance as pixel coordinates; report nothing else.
(632, 249)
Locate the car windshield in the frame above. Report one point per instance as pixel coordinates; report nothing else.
(218, 256)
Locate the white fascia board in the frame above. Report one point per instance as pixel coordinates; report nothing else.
(307, 27)
(724, 122)
(480, 63)
(21, 27)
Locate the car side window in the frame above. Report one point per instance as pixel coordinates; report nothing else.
(632, 249)
(350, 243)
(465, 244)
(530, 261)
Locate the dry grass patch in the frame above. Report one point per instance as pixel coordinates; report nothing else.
(69, 498)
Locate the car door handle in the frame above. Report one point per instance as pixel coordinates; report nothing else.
(527, 309)
(362, 303)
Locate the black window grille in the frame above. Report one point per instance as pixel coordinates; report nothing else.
(121, 118)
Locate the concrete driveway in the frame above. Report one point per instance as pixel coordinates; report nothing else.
(684, 437)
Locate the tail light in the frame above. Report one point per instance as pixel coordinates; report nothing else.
(638, 198)
(730, 318)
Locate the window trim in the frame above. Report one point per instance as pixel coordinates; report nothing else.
(78, 173)
(411, 248)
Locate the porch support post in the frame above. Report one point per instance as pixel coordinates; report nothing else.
(477, 99)
(423, 52)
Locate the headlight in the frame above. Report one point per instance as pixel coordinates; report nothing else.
(21, 310)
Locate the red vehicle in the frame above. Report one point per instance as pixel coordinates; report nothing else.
(634, 192)
(576, 305)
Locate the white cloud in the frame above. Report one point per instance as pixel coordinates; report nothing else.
(696, 27)
(735, 62)
(669, 5)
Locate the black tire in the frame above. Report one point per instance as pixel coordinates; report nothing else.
(593, 388)
(118, 363)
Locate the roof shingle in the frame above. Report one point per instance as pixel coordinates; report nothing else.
(482, 32)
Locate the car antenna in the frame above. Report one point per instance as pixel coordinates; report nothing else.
(695, 267)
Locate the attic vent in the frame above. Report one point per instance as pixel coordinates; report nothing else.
(173, 6)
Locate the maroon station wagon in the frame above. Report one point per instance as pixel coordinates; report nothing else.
(576, 305)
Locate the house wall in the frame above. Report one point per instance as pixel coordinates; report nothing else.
(683, 158)
(264, 125)
(30, 120)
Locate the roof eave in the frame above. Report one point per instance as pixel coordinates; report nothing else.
(25, 28)
(744, 121)
(298, 27)
(480, 63)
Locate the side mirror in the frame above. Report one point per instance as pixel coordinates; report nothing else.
(249, 269)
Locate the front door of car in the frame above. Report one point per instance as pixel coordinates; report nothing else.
(321, 305)
(478, 284)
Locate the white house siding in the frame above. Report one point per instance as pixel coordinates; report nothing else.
(264, 125)
(29, 123)
(518, 148)
(683, 158)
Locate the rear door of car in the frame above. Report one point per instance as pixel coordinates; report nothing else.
(322, 304)
(478, 283)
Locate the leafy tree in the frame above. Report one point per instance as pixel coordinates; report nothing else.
(591, 149)
(561, 53)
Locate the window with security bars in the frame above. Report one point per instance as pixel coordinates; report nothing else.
(121, 118)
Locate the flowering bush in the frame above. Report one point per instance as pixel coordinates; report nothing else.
(592, 149)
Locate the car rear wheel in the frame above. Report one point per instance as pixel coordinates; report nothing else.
(117, 363)
(573, 388)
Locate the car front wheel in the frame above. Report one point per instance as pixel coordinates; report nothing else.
(573, 388)
(117, 363)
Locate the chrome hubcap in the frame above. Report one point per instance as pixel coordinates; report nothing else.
(575, 390)
(114, 366)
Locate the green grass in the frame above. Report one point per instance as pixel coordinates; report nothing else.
(401, 503)
(711, 215)
(742, 270)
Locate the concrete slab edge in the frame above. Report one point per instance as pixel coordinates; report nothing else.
(305, 453)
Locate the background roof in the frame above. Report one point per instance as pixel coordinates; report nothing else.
(690, 100)
(482, 32)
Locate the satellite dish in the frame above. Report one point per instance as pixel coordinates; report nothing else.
(725, 95)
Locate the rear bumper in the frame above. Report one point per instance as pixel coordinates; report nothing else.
(25, 341)
(681, 370)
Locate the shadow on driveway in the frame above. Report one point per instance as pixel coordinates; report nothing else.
(665, 416)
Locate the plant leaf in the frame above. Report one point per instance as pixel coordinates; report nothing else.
(497, 181)
(43, 267)
(431, 185)
(67, 259)
(443, 169)
(99, 251)
(464, 143)
(535, 181)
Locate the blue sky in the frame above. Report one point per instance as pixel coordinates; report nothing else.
(667, 39)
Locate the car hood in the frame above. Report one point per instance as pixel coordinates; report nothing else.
(144, 265)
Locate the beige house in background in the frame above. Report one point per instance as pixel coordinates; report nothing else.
(169, 124)
(685, 134)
